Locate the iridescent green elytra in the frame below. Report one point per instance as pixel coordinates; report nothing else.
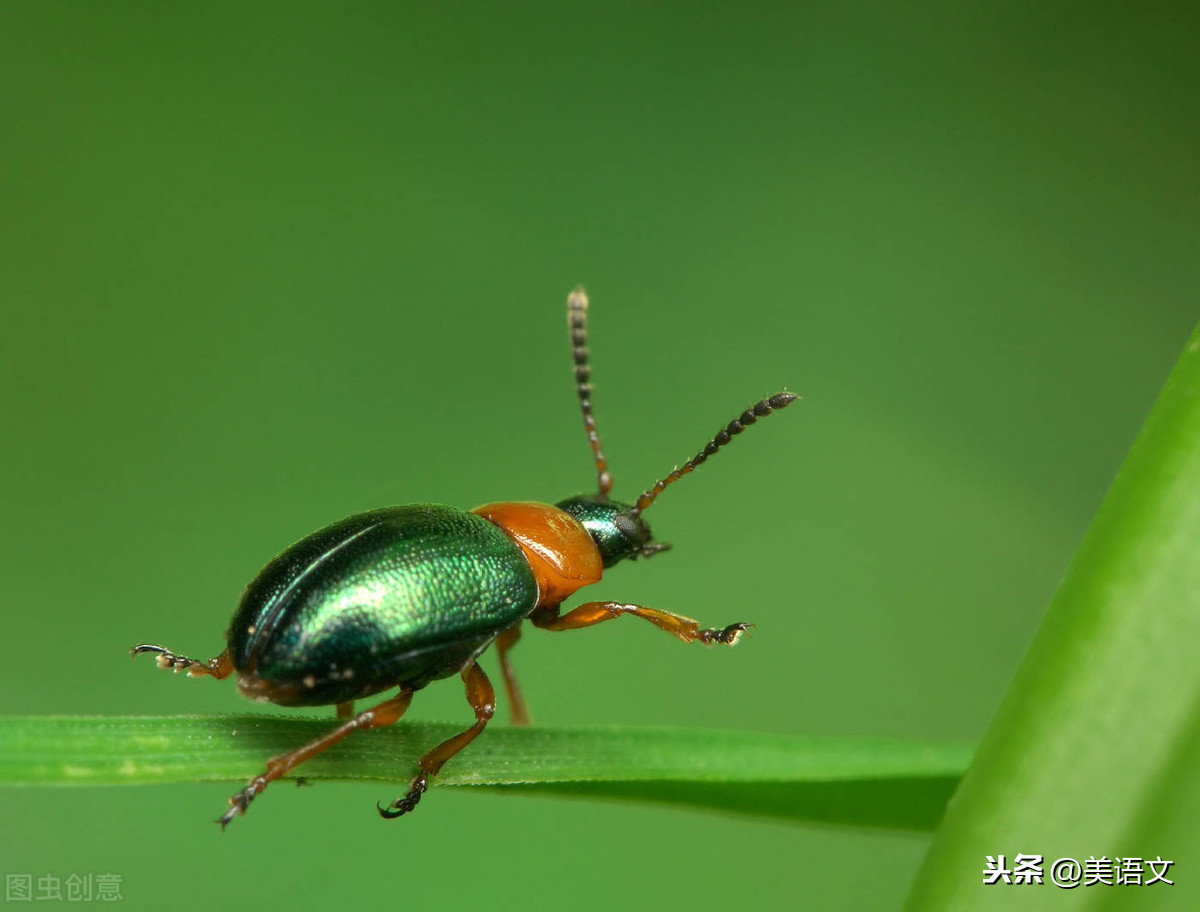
(395, 597)
(403, 596)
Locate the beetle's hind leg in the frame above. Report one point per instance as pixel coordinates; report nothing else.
(219, 667)
(591, 613)
(385, 713)
(516, 701)
(483, 700)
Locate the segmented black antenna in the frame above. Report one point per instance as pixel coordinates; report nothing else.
(577, 306)
(759, 410)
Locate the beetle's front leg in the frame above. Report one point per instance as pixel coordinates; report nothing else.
(219, 667)
(483, 700)
(591, 613)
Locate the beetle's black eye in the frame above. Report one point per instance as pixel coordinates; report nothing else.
(634, 530)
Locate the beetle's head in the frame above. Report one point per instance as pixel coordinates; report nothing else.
(618, 531)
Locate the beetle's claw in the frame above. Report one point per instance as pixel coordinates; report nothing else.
(402, 806)
(233, 811)
(163, 656)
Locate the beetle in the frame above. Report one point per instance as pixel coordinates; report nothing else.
(404, 596)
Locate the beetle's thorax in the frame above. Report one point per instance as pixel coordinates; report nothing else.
(561, 553)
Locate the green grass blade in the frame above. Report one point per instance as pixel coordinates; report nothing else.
(865, 782)
(1095, 750)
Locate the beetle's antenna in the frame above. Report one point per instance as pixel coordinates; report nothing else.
(577, 306)
(759, 410)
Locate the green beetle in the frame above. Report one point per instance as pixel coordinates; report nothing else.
(403, 596)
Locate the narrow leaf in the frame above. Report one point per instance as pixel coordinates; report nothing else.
(1095, 748)
(865, 782)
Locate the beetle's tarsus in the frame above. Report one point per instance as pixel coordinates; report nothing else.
(727, 636)
(402, 806)
(239, 802)
(218, 667)
(482, 699)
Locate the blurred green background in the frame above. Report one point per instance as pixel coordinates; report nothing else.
(265, 267)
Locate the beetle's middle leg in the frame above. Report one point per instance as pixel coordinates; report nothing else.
(385, 713)
(516, 702)
(483, 700)
(589, 613)
(219, 667)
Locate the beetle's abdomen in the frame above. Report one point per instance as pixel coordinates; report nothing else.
(400, 596)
